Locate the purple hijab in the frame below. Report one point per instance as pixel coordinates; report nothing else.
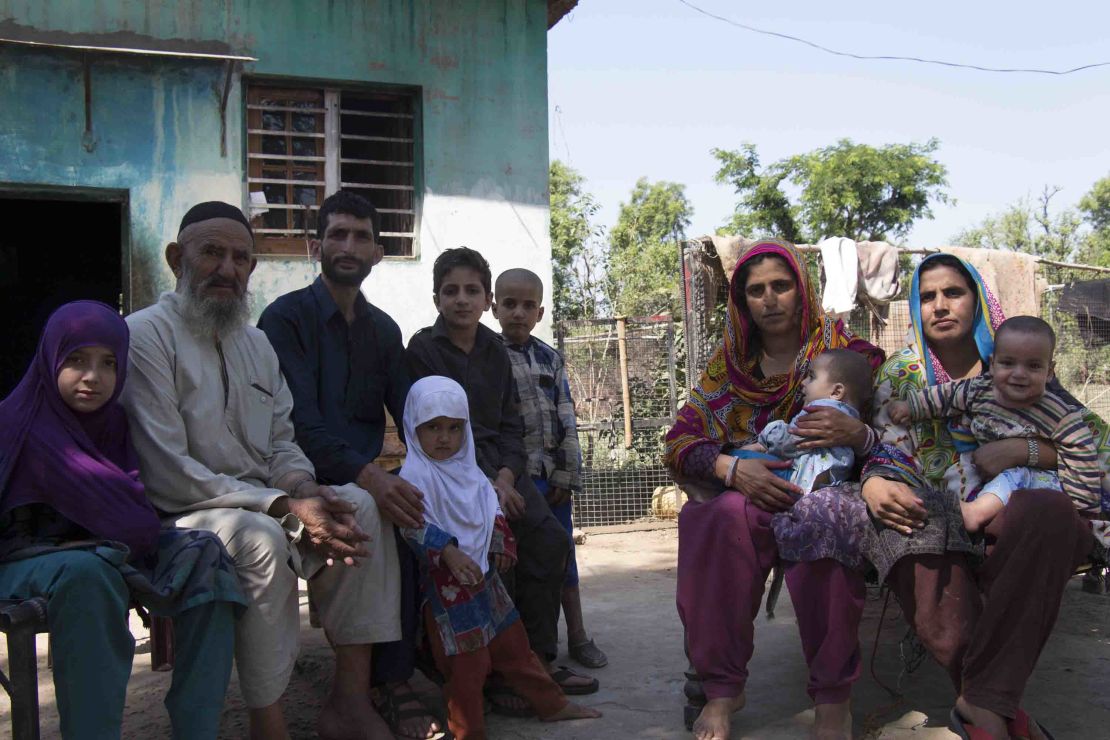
(81, 465)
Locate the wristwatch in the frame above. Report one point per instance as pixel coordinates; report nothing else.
(1034, 452)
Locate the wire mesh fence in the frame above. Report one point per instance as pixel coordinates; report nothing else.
(624, 380)
(1078, 308)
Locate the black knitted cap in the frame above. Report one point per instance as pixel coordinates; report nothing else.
(214, 209)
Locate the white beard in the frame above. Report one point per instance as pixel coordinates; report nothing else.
(209, 316)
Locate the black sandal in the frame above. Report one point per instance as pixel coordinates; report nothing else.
(389, 706)
(497, 692)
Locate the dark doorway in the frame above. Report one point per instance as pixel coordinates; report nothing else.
(52, 251)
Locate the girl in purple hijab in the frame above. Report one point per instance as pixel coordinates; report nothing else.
(77, 529)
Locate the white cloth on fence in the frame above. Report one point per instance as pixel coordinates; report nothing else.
(839, 256)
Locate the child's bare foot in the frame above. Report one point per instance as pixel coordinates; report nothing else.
(978, 513)
(573, 711)
(715, 720)
(971, 518)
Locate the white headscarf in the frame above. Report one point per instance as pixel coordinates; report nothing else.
(458, 498)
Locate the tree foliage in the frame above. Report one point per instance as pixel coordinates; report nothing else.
(1095, 207)
(847, 189)
(1079, 234)
(578, 259)
(643, 256)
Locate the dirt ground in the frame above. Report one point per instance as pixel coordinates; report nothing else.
(628, 582)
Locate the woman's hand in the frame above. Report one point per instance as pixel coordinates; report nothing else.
(894, 504)
(465, 570)
(827, 427)
(754, 479)
(899, 412)
(994, 457)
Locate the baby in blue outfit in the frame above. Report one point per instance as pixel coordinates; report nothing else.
(840, 379)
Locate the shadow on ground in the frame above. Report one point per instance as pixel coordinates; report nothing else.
(628, 583)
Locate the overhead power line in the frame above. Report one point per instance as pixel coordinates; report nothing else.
(890, 58)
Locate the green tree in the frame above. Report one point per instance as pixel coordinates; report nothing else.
(577, 255)
(1095, 207)
(848, 189)
(1033, 228)
(643, 256)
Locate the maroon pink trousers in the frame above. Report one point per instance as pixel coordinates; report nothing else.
(987, 627)
(726, 550)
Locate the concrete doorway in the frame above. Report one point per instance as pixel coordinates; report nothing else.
(57, 245)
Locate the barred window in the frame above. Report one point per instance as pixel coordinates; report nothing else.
(304, 144)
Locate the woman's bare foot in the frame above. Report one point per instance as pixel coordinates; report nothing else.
(715, 720)
(984, 719)
(573, 711)
(832, 721)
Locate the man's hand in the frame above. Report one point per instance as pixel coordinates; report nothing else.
(512, 503)
(754, 479)
(558, 496)
(501, 561)
(899, 412)
(330, 525)
(398, 501)
(827, 427)
(465, 570)
(894, 504)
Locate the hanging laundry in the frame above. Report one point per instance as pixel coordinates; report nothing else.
(841, 263)
(878, 271)
(729, 249)
(1012, 275)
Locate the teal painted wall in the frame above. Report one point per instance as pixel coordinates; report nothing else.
(480, 64)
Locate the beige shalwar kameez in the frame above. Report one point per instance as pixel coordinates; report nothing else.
(210, 422)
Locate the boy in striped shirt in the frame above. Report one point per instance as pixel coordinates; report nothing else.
(1012, 401)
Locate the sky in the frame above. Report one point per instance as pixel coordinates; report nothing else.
(646, 88)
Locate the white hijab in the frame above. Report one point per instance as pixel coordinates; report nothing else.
(458, 498)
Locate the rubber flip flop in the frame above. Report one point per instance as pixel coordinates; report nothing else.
(563, 673)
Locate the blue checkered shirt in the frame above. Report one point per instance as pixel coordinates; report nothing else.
(550, 432)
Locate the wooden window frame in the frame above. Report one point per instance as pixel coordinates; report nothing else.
(395, 187)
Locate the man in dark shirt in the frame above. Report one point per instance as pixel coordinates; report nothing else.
(459, 347)
(344, 363)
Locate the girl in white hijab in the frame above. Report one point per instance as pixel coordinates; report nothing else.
(471, 623)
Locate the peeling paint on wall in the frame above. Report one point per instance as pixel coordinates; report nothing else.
(482, 67)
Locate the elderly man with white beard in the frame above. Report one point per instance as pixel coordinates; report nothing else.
(210, 417)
